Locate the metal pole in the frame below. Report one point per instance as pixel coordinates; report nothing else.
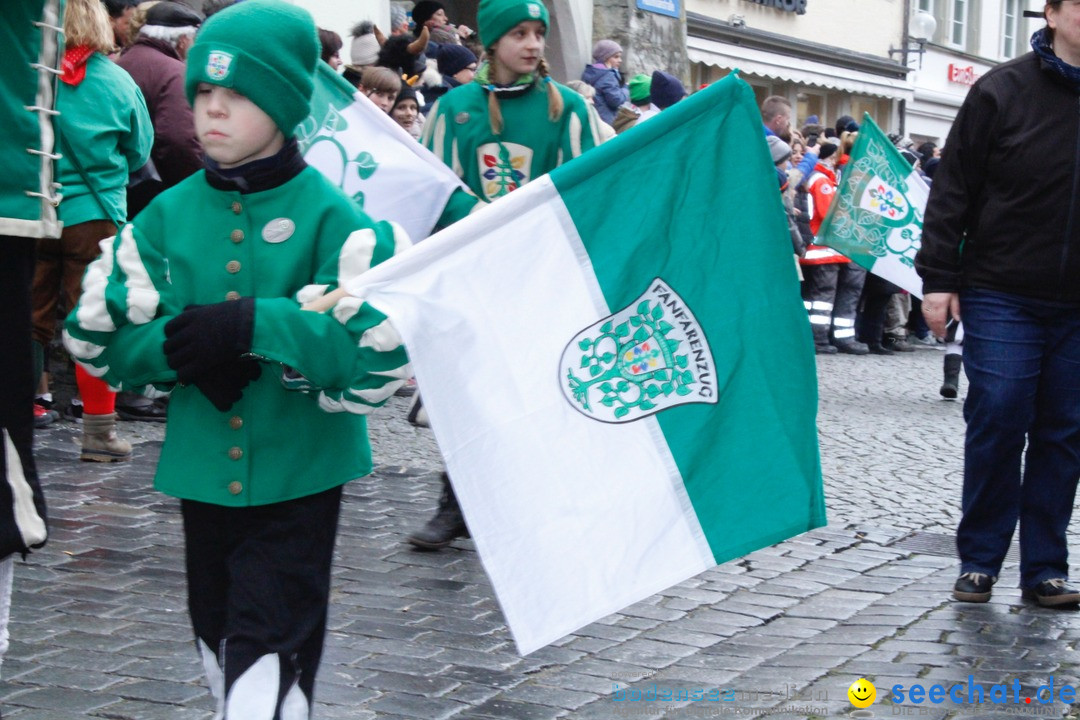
(904, 40)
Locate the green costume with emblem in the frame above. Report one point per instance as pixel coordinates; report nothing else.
(284, 246)
(162, 262)
(458, 128)
(458, 131)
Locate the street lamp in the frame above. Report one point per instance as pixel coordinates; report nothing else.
(921, 27)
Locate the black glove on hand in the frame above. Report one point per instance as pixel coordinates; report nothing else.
(205, 336)
(224, 385)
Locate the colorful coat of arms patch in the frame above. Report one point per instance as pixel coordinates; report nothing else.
(218, 64)
(504, 167)
(650, 356)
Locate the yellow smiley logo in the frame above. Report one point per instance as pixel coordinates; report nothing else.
(862, 693)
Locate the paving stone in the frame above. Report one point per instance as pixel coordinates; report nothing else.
(420, 635)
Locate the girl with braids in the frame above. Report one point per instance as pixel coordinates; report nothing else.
(513, 123)
(508, 126)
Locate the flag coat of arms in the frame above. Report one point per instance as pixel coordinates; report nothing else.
(624, 392)
(876, 217)
(369, 156)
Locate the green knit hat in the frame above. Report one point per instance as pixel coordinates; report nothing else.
(495, 18)
(264, 49)
(640, 87)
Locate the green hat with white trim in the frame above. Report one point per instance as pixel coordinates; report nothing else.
(495, 18)
(266, 50)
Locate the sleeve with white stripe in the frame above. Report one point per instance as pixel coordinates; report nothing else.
(117, 330)
(348, 357)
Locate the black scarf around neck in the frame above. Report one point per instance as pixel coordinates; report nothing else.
(258, 175)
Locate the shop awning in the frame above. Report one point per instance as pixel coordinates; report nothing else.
(800, 71)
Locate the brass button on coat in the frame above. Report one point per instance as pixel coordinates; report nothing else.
(236, 487)
(236, 453)
(232, 295)
(236, 422)
(237, 208)
(233, 266)
(237, 236)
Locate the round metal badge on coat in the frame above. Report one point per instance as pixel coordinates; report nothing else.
(278, 230)
(461, 118)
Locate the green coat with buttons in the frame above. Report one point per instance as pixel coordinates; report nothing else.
(300, 428)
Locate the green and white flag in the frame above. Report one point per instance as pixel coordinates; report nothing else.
(369, 156)
(876, 217)
(624, 392)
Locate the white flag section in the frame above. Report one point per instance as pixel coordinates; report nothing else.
(369, 156)
(877, 215)
(619, 406)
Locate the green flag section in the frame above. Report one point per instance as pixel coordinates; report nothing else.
(624, 392)
(876, 217)
(369, 156)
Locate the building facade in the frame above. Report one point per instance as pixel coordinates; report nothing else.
(828, 57)
(971, 37)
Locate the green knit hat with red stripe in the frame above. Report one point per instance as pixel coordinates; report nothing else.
(266, 50)
(495, 18)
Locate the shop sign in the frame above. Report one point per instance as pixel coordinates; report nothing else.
(963, 75)
(663, 7)
(795, 6)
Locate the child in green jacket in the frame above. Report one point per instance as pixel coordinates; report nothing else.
(509, 126)
(512, 123)
(201, 294)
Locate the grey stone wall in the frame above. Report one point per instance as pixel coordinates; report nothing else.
(650, 41)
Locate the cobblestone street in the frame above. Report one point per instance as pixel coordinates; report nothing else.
(99, 627)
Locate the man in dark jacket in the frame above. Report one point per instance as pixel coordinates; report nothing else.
(1001, 245)
(156, 62)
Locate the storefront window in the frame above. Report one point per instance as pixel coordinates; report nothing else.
(810, 103)
(879, 108)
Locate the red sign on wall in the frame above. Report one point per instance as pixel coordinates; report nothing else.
(963, 75)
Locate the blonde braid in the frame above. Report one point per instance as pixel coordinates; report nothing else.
(555, 100)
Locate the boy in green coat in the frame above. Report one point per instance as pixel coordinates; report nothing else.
(201, 294)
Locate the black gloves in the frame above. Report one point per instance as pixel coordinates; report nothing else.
(224, 385)
(206, 336)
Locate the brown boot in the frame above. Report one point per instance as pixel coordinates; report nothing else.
(99, 441)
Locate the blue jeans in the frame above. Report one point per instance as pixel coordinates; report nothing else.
(1022, 359)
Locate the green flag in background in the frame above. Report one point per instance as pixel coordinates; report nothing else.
(876, 217)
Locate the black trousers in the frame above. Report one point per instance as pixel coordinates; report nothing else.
(17, 256)
(875, 300)
(258, 588)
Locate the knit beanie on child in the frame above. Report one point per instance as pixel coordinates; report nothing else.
(266, 50)
(666, 89)
(495, 18)
(604, 49)
(779, 149)
(640, 87)
(454, 58)
(364, 49)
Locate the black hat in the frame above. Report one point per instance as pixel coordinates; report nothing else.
(406, 93)
(844, 123)
(173, 14)
(666, 90)
(423, 11)
(454, 58)
(826, 149)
